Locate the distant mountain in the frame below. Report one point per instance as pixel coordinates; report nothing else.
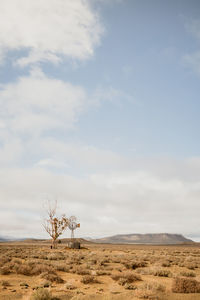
(3, 239)
(149, 238)
(11, 239)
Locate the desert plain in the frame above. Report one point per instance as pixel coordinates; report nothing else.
(99, 271)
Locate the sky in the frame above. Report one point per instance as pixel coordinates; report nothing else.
(99, 110)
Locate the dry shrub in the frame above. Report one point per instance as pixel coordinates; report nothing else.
(146, 271)
(17, 261)
(126, 277)
(89, 279)
(70, 286)
(5, 270)
(130, 286)
(30, 270)
(92, 261)
(41, 268)
(166, 263)
(135, 264)
(56, 256)
(102, 273)
(42, 294)
(24, 269)
(150, 290)
(52, 277)
(153, 286)
(162, 273)
(188, 274)
(24, 284)
(59, 266)
(103, 262)
(185, 285)
(5, 283)
(80, 270)
(191, 266)
(4, 260)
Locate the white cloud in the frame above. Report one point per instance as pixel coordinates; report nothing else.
(81, 156)
(49, 29)
(10, 152)
(134, 200)
(37, 103)
(115, 194)
(51, 163)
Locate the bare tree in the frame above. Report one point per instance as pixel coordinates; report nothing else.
(55, 225)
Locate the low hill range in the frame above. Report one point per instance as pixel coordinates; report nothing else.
(136, 238)
(148, 238)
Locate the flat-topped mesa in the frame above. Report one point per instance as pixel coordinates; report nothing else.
(148, 238)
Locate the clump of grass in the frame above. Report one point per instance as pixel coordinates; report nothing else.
(41, 294)
(166, 263)
(52, 277)
(70, 286)
(150, 290)
(41, 268)
(5, 270)
(24, 284)
(80, 270)
(16, 261)
(23, 269)
(102, 273)
(188, 274)
(5, 283)
(162, 273)
(191, 266)
(59, 266)
(135, 264)
(4, 260)
(87, 279)
(29, 269)
(153, 286)
(185, 285)
(126, 277)
(56, 256)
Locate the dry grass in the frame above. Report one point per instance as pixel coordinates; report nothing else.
(42, 294)
(188, 274)
(118, 272)
(126, 277)
(185, 285)
(88, 279)
(52, 277)
(162, 273)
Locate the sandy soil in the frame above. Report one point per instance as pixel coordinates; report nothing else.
(99, 272)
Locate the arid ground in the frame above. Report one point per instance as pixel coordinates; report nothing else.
(99, 271)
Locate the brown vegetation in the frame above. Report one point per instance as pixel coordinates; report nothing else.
(185, 285)
(99, 272)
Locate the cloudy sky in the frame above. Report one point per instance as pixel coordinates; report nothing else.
(99, 109)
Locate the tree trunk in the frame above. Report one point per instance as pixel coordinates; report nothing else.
(54, 244)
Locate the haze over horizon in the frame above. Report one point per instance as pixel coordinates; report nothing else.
(99, 109)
